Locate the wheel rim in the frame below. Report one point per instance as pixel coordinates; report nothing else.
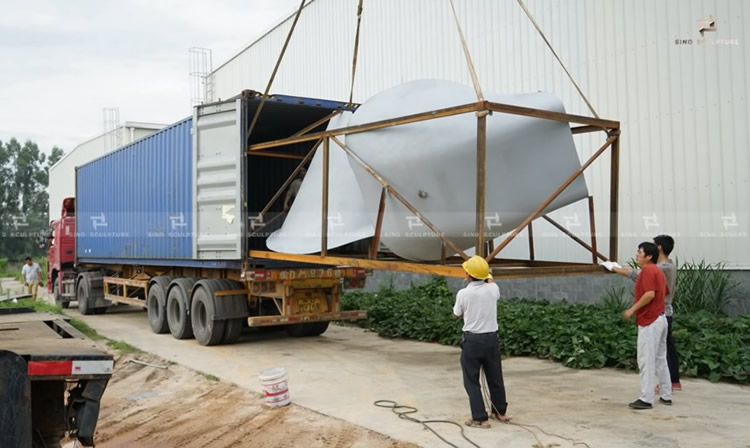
(174, 311)
(202, 315)
(82, 297)
(153, 308)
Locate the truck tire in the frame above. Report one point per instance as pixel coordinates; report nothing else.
(156, 305)
(318, 328)
(207, 331)
(63, 302)
(82, 295)
(178, 304)
(307, 329)
(232, 327)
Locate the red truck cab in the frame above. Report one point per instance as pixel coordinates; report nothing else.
(61, 250)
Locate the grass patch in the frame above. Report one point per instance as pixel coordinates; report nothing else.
(208, 376)
(39, 306)
(84, 328)
(123, 347)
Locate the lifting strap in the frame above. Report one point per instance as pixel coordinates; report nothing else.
(275, 69)
(539, 29)
(356, 49)
(474, 78)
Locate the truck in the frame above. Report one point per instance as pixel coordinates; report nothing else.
(166, 224)
(51, 380)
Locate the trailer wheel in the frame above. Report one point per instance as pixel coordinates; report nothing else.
(318, 328)
(157, 306)
(307, 329)
(177, 308)
(63, 302)
(232, 327)
(207, 331)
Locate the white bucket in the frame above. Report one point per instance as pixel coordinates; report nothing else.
(275, 387)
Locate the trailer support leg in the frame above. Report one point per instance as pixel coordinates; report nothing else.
(83, 409)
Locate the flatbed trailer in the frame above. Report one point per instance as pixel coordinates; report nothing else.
(52, 378)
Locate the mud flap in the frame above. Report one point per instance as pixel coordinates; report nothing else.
(83, 409)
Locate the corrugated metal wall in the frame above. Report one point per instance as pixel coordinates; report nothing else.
(136, 202)
(683, 106)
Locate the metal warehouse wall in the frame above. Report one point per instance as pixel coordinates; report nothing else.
(62, 175)
(681, 97)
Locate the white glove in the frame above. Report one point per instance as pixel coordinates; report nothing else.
(611, 265)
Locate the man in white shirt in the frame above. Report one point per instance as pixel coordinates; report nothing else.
(32, 275)
(477, 304)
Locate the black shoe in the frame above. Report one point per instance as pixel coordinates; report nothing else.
(640, 404)
(667, 402)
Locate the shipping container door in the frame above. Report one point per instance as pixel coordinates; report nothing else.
(217, 195)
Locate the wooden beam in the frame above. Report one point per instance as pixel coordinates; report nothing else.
(592, 229)
(280, 155)
(402, 266)
(126, 300)
(531, 241)
(550, 115)
(586, 129)
(614, 197)
(543, 270)
(573, 237)
(440, 113)
(125, 281)
(378, 226)
(275, 69)
(552, 197)
(324, 202)
(289, 179)
(309, 128)
(481, 181)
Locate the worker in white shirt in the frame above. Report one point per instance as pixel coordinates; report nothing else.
(32, 275)
(477, 304)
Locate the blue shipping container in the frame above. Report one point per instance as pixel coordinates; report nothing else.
(135, 204)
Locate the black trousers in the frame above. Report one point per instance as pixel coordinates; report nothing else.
(482, 351)
(673, 358)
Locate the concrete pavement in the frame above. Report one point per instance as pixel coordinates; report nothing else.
(344, 371)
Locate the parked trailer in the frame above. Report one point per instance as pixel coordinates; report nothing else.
(51, 380)
(163, 224)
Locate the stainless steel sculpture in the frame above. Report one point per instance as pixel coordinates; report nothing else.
(433, 165)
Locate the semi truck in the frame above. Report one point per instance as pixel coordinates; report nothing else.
(167, 223)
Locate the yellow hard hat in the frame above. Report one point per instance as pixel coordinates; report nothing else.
(477, 267)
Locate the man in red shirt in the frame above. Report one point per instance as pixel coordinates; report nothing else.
(648, 307)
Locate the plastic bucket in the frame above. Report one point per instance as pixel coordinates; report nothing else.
(275, 387)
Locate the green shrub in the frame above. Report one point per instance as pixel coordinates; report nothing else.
(702, 287)
(617, 298)
(579, 336)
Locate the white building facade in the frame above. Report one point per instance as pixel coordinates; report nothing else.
(62, 175)
(673, 72)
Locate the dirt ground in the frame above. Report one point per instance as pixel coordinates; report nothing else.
(177, 407)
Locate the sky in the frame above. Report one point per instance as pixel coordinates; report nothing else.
(63, 62)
